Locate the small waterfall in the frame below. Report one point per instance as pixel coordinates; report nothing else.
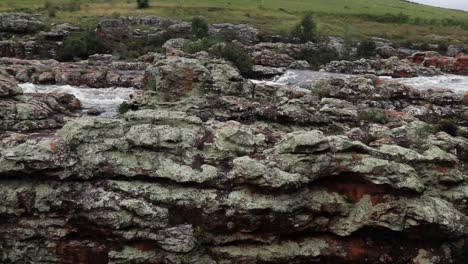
(106, 100)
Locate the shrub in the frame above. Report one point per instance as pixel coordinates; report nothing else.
(50, 8)
(203, 44)
(142, 4)
(443, 47)
(374, 117)
(463, 133)
(234, 53)
(199, 28)
(319, 56)
(449, 126)
(71, 6)
(123, 108)
(366, 49)
(52, 11)
(387, 18)
(81, 45)
(133, 48)
(306, 30)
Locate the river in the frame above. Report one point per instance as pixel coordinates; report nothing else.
(108, 100)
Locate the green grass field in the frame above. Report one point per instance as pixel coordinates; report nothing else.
(276, 16)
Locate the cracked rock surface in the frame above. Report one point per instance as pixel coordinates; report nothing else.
(212, 168)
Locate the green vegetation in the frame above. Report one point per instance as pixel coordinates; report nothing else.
(199, 28)
(123, 108)
(374, 117)
(463, 132)
(319, 56)
(203, 44)
(81, 45)
(306, 30)
(449, 126)
(366, 49)
(234, 53)
(142, 4)
(365, 17)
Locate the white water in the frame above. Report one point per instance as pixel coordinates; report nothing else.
(106, 100)
(306, 79)
(301, 78)
(457, 83)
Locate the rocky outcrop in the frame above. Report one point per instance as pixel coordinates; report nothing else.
(20, 23)
(393, 67)
(134, 27)
(20, 112)
(245, 33)
(457, 65)
(215, 169)
(130, 27)
(98, 72)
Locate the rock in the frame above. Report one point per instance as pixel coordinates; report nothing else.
(177, 78)
(384, 67)
(260, 71)
(299, 65)
(174, 46)
(270, 58)
(246, 34)
(207, 167)
(59, 32)
(126, 27)
(99, 71)
(8, 87)
(93, 112)
(20, 23)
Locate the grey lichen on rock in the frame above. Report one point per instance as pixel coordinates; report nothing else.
(212, 168)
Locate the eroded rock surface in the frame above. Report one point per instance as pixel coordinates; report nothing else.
(215, 169)
(393, 67)
(20, 112)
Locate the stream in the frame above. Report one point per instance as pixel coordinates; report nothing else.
(107, 100)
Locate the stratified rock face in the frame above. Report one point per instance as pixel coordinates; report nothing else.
(218, 170)
(457, 65)
(393, 67)
(246, 34)
(32, 112)
(98, 72)
(20, 23)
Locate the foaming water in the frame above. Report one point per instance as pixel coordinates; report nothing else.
(301, 78)
(106, 100)
(457, 83)
(307, 79)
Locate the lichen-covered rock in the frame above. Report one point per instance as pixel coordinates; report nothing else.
(96, 72)
(215, 169)
(20, 23)
(32, 112)
(382, 67)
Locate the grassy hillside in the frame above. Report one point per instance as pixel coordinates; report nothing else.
(395, 19)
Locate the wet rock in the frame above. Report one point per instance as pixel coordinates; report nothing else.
(93, 112)
(260, 71)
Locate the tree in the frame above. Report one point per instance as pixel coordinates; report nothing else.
(199, 27)
(306, 30)
(142, 4)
